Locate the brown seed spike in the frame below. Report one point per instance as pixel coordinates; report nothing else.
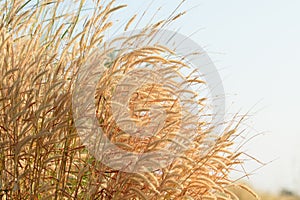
(129, 23)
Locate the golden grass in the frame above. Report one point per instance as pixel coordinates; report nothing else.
(41, 155)
(264, 196)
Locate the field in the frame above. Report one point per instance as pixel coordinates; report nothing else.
(48, 149)
(265, 196)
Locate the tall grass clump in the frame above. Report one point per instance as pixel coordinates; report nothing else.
(43, 44)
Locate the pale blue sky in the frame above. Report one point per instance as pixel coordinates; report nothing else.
(256, 47)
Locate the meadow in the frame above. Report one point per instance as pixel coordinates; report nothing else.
(42, 156)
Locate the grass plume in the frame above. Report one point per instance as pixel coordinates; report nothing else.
(41, 156)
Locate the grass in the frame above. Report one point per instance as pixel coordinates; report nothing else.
(265, 196)
(41, 154)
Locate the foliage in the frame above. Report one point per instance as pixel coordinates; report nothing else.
(41, 155)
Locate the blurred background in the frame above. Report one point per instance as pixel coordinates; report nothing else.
(255, 45)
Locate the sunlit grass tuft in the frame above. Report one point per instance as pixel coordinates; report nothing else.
(42, 46)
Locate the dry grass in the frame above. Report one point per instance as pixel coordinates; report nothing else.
(264, 196)
(41, 155)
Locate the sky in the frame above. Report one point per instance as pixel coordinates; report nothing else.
(255, 46)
